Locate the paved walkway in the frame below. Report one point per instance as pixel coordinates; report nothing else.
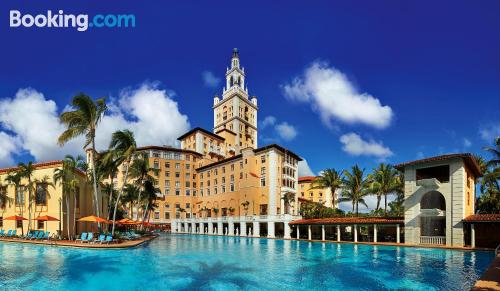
(67, 243)
(490, 280)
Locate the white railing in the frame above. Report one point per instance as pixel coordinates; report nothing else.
(433, 240)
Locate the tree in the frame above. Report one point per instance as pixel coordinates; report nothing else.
(139, 170)
(489, 201)
(83, 120)
(124, 146)
(66, 177)
(4, 197)
(331, 179)
(149, 194)
(384, 181)
(355, 188)
(25, 171)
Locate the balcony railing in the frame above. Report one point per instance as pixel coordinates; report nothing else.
(433, 240)
(429, 183)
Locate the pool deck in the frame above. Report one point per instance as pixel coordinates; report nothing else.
(126, 244)
(490, 280)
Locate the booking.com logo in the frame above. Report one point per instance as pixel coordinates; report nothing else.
(79, 21)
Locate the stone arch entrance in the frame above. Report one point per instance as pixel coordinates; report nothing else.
(433, 218)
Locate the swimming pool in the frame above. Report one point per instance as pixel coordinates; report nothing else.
(187, 262)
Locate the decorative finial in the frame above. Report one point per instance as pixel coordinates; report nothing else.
(235, 53)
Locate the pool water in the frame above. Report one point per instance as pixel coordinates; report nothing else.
(187, 262)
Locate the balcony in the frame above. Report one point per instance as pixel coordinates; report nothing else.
(429, 183)
(433, 240)
(433, 212)
(216, 151)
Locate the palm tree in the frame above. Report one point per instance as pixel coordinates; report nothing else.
(4, 197)
(383, 181)
(66, 177)
(150, 198)
(355, 187)
(495, 152)
(331, 179)
(83, 121)
(124, 146)
(14, 179)
(25, 171)
(139, 170)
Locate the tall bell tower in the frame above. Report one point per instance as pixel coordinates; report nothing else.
(235, 115)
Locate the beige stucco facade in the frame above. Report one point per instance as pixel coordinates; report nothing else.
(323, 196)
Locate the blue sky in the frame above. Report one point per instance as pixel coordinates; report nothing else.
(341, 82)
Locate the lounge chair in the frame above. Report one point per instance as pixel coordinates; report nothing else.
(43, 235)
(9, 233)
(101, 239)
(82, 237)
(35, 235)
(14, 233)
(90, 237)
(2, 232)
(109, 239)
(28, 235)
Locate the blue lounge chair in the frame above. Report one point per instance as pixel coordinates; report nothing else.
(29, 235)
(2, 232)
(82, 237)
(90, 237)
(35, 235)
(101, 239)
(9, 233)
(109, 239)
(43, 235)
(14, 232)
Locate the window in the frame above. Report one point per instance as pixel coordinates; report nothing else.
(156, 165)
(188, 205)
(167, 191)
(157, 215)
(241, 175)
(263, 181)
(188, 192)
(194, 192)
(232, 168)
(215, 190)
(167, 215)
(188, 166)
(167, 183)
(188, 184)
(177, 174)
(41, 194)
(187, 176)
(241, 164)
(263, 170)
(167, 165)
(20, 195)
(311, 194)
(441, 173)
(1, 221)
(19, 223)
(177, 205)
(223, 170)
(216, 172)
(167, 174)
(177, 184)
(3, 192)
(167, 205)
(177, 165)
(263, 159)
(302, 194)
(231, 187)
(177, 192)
(223, 188)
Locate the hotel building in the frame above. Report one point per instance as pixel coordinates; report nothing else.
(308, 194)
(47, 199)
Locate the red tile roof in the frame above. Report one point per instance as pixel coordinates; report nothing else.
(483, 218)
(36, 165)
(306, 179)
(350, 220)
(468, 158)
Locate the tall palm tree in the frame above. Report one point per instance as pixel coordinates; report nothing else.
(4, 197)
(83, 121)
(14, 178)
(66, 177)
(25, 171)
(355, 188)
(150, 198)
(124, 146)
(140, 171)
(495, 152)
(384, 181)
(331, 179)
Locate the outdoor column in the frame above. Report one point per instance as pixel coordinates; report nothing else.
(322, 232)
(472, 236)
(201, 229)
(270, 229)
(287, 231)
(220, 230)
(397, 234)
(256, 229)
(243, 229)
(231, 228)
(355, 233)
(309, 232)
(298, 231)
(193, 227)
(186, 227)
(210, 228)
(374, 233)
(338, 232)
(173, 227)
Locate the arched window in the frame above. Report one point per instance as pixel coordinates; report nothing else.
(433, 200)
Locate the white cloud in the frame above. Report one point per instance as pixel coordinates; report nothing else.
(269, 120)
(489, 132)
(286, 131)
(353, 144)
(467, 143)
(8, 146)
(304, 169)
(33, 121)
(335, 98)
(210, 79)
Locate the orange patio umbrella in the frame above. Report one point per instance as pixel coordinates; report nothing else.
(46, 218)
(17, 218)
(93, 218)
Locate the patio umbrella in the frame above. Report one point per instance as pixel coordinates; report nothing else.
(17, 218)
(93, 218)
(46, 218)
